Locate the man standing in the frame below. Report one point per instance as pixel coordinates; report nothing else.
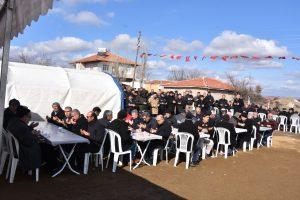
(238, 103)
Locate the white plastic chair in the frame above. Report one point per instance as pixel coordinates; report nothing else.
(117, 152)
(5, 152)
(221, 133)
(14, 159)
(282, 122)
(262, 116)
(98, 158)
(294, 124)
(182, 146)
(161, 152)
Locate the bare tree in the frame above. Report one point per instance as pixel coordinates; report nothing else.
(41, 59)
(245, 87)
(176, 74)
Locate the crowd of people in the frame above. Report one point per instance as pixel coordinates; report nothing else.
(154, 112)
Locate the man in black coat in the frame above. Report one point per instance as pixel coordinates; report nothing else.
(95, 134)
(106, 119)
(57, 114)
(30, 152)
(208, 101)
(246, 124)
(189, 127)
(148, 122)
(121, 127)
(78, 122)
(163, 129)
(10, 112)
(224, 123)
(180, 104)
(238, 104)
(223, 103)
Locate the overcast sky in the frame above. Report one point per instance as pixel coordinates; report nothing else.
(75, 28)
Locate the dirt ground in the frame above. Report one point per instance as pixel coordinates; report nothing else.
(267, 173)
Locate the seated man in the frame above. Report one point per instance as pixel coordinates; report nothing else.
(106, 119)
(171, 119)
(121, 127)
(136, 120)
(245, 123)
(57, 114)
(148, 122)
(163, 129)
(224, 123)
(205, 127)
(95, 134)
(10, 112)
(97, 111)
(198, 115)
(30, 152)
(271, 123)
(78, 122)
(189, 127)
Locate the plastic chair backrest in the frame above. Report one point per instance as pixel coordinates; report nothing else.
(254, 131)
(115, 137)
(275, 117)
(221, 132)
(262, 116)
(13, 142)
(106, 132)
(182, 141)
(5, 140)
(283, 119)
(294, 121)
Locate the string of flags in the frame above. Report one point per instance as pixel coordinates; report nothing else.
(189, 58)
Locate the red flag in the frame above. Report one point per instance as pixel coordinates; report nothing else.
(187, 59)
(142, 55)
(172, 56)
(195, 57)
(244, 57)
(224, 58)
(255, 57)
(213, 57)
(178, 57)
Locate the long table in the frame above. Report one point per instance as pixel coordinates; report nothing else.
(58, 136)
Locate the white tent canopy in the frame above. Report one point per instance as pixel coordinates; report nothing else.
(24, 12)
(38, 87)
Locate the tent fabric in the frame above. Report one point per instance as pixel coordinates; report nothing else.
(24, 12)
(38, 87)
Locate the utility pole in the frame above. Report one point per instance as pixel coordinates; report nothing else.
(136, 56)
(144, 68)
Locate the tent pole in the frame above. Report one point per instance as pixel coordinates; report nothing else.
(5, 57)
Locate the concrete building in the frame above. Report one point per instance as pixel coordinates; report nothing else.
(105, 61)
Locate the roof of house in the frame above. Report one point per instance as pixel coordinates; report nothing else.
(159, 82)
(204, 82)
(106, 57)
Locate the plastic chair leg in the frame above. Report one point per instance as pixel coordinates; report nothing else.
(86, 163)
(203, 152)
(13, 169)
(8, 167)
(108, 157)
(37, 175)
(217, 151)
(116, 158)
(244, 146)
(226, 151)
(187, 164)
(167, 159)
(155, 155)
(176, 158)
(101, 160)
(130, 161)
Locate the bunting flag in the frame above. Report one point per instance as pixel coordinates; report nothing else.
(187, 58)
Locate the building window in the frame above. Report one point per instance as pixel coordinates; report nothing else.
(105, 68)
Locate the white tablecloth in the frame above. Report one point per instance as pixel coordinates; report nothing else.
(57, 135)
(240, 130)
(145, 136)
(263, 128)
